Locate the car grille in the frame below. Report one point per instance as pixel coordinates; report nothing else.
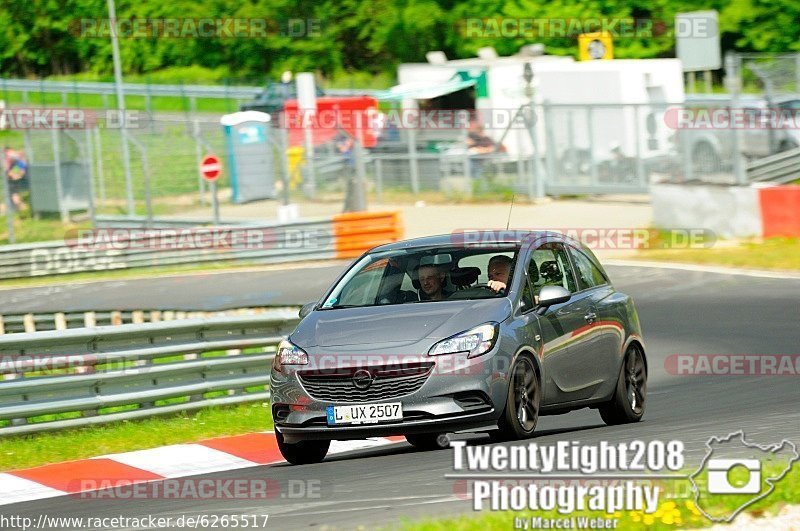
(388, 381)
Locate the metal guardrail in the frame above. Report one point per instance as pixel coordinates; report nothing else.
(342, 236)
(782, 168)
(41, 322)
(276, 243)
(146, 89)
(95, 375)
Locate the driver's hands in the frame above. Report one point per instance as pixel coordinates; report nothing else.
(496, 286)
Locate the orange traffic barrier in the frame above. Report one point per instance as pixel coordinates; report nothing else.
(356, 232)
(780, 210)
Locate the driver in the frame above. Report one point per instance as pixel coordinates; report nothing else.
(431, 282)
(498, 272)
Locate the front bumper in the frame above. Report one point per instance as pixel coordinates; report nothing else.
(467, 422)
(458, 395)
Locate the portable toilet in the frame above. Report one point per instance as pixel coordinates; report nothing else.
(250, 156)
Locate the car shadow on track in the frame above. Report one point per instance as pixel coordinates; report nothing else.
(473, 439)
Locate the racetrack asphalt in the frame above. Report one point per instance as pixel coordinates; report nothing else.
(682, 312)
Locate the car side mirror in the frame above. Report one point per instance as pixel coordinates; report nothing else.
(551, 295)
(306, 309)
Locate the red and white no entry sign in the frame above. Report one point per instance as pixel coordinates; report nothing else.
(210, 167)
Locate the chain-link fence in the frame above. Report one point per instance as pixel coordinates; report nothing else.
(557, 149)
(572, 149)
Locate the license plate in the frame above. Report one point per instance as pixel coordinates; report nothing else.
(364, 413)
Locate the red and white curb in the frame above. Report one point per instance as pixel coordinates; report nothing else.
(154, 464)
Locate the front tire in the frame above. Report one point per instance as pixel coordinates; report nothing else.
(628, 402)
(522, 405)
(303, 452)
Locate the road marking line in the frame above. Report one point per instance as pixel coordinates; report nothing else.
(78, 476)
(155, 464)
(15, 489)
(720, 270)
(180, 460)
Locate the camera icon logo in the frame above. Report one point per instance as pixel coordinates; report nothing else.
(719, 481)
(735, 466)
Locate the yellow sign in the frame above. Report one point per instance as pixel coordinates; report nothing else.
(593, 46)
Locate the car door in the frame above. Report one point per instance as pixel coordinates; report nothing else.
(604, 330)
(560, 325)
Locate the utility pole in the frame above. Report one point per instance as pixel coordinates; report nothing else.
(122, 119)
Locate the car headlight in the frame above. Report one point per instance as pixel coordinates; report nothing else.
(289, 354)
(473, 342)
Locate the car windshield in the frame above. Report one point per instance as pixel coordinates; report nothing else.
(408, 276)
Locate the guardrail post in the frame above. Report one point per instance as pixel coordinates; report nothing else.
(29, 323)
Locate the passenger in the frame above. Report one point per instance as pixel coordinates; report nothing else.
(498, 271)
(431, 282)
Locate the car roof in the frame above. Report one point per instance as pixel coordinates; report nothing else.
(476, 239)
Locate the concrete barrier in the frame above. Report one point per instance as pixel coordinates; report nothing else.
(758, 210)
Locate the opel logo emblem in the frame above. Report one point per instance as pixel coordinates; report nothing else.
(362, 379)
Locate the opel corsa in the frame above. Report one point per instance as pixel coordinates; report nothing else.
(473, 349)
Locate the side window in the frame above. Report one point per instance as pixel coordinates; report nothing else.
(550, 267)
(588, 274)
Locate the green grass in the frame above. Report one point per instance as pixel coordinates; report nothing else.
(677, 513)
(771, 253)
(27, 229)
(24, 451)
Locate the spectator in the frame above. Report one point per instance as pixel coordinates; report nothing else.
(478, 143)
(344, 145)
(16, 170)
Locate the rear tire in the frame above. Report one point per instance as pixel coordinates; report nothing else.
(521, 414)
(429, 441)
(303, 452)
(628, 402)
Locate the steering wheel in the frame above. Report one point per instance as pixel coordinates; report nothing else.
(485, 285)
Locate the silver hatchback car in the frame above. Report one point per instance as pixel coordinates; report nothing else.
(474, 331)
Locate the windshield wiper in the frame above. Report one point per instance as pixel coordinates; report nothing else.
(339, 306)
